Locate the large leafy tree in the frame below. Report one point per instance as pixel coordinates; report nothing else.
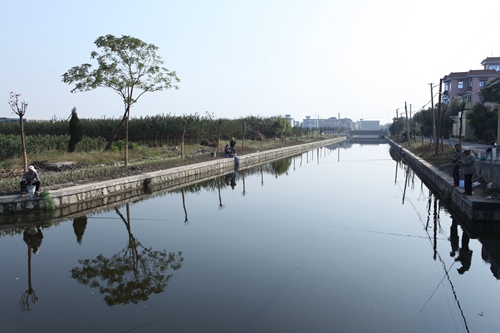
(127, 65)
(483, 120)
(279, 126)
(491, 92)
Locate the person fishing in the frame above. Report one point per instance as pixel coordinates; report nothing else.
(469, 165)
(30, 178)
(456, 165)
(232, 143)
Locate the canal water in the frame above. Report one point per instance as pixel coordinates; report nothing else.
(339, 239)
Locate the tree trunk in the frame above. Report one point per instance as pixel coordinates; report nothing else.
(218, 137)
(126, 140)
(125, 115)
(183, 134)
(23, 144)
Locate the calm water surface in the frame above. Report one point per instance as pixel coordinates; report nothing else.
(330, 241)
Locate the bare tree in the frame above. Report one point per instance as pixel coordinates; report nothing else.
(20, 110)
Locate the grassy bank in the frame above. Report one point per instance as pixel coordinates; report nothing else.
(95, 166)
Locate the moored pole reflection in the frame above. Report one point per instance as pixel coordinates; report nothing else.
(221, 206)
(184, 206)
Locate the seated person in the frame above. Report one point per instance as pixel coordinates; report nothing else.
(227, 151)
(30, 178)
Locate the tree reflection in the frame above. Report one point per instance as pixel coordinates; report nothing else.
(280, 167)
(244, 190)
(131, 275)
(221, 205)
(33, 238)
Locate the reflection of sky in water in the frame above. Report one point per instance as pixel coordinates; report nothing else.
(324, 247)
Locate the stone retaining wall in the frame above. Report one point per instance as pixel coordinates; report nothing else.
(489, 170)
(88, 196)
(472, 207)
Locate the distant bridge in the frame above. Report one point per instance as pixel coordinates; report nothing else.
(367, 134)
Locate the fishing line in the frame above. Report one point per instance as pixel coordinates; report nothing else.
(437, 287)
(383, 233)
(238, 206)
(153, 321)
(445, 276)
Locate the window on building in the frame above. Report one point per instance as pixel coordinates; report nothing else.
(482, 83)
(481, 99)
(470, 82)
(460, 84)
(446, 100)
(469, 98)
(447, 86)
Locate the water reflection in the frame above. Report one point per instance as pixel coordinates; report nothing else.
(244, 192)
(489, 257)
(221, 205)
(79, 225)
(131, 275)
(281, 167)
(230, 179)
(464, 255)
(186, 221)
(33, 237)
(399, 254)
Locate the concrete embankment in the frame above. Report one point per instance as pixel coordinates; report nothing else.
(92, 197)
(473, 207)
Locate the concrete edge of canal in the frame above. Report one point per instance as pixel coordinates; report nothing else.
(92, 197)
(474, 207)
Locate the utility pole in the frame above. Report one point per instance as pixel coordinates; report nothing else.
(411, 124)
(438, 133)
(460, 127)
(433, 115)
(407, 126)
(339, 123)
(397, 119)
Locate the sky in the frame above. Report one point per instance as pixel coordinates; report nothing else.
(362, 59)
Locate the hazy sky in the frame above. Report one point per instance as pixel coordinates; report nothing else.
(360, 58)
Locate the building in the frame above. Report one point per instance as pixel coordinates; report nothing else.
(368, 125)
(467, 85)
(331, 123)
(10, 120)
(310, 122)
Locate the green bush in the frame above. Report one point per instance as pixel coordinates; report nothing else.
(120, 145)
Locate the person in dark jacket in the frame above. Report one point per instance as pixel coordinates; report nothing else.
(232, 143)
(30, 178)
(227, 151)
(469, 168)
(456, 165)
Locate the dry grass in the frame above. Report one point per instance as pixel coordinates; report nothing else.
(98, 166)
(428, 152)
